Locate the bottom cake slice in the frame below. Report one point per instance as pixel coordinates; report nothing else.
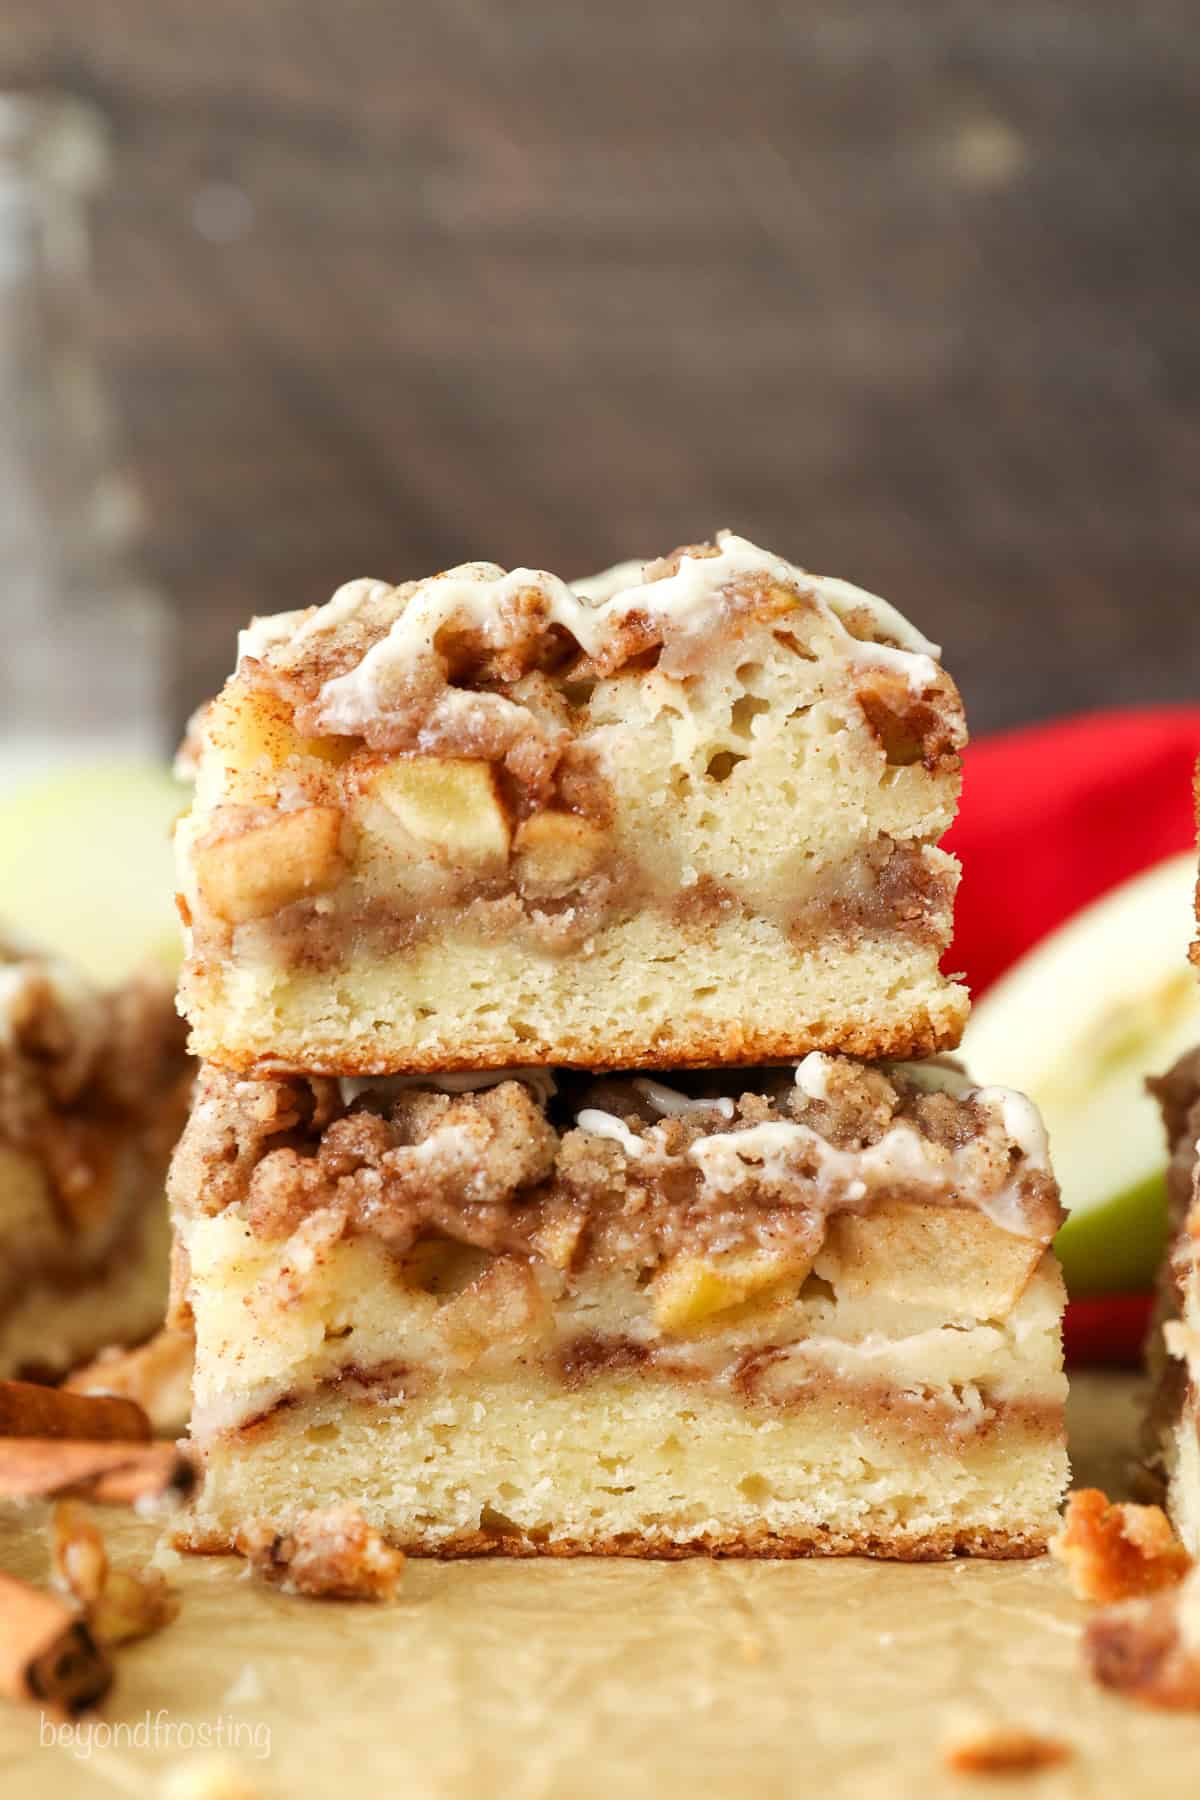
(821, 1316)
(1173, 1352)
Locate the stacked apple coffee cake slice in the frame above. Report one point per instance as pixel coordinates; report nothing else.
(575, 1166)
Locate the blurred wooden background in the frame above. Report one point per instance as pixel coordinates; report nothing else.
(906, 290)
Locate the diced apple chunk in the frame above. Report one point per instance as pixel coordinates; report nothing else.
(692, 1288)
(557, 1239)
(952, 1259)
(268, 867)
(449, 804)
(442, 1267)
(557, 850)
(254, 737)
(502, 1307)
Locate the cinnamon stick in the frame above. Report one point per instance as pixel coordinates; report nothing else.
(47, 1652)
(113, 1474)
(28, 1410)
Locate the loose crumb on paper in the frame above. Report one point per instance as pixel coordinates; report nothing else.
(1117, 1551)
(984, 1749)
(330, 1554)
(1148, 1650)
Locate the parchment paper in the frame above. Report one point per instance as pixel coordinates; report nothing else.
(592, 1679)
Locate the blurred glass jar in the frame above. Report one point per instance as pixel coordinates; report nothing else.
(82, 640)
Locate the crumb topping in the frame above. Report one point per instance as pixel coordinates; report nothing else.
(434, 1165)
(632, 1173)
(435, 664)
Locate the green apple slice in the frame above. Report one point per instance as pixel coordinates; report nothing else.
(1117, 1246)
(1078, 1024)
(86, 867)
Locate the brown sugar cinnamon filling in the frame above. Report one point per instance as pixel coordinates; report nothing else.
(909, 1415)
(884, 890)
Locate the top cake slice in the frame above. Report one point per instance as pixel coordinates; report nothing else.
(682, 814)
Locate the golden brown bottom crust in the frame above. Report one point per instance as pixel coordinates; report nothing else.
(932, 1546)
(729, 1047)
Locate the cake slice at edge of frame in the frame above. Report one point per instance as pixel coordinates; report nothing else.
(682, 817)
(93, 1095)
(792, 1313)
(1172, 1432)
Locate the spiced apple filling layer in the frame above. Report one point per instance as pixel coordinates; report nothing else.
(488, 817)
(93, 1093)
(1173, 1352)
(832, 1292)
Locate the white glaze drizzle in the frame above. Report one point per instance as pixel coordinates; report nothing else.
(725, 1157)
(671, 1104)
(1022, 1121)
(692, 602)
(1019, 1116)
(345, 605)
(608, 582)
(812, 1075)
(902, 1157)
(266, 630)
(606, 1125)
